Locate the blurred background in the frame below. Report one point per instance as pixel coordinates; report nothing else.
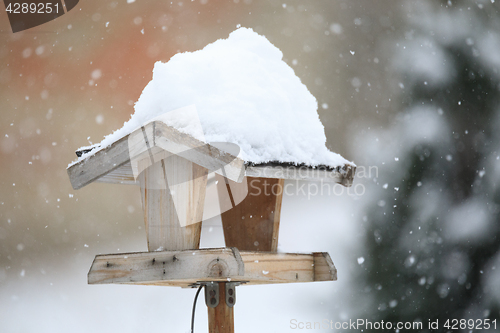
(408, 90)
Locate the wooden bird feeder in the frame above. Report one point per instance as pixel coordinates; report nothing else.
(159, 158)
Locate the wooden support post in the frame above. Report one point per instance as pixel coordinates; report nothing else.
(221, 318)
(253, 224)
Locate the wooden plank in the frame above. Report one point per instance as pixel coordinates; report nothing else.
(173, 195)
(141, 141)
(342, 175)
(225, 264)
(265, 268)
(121, 175)
(101, 165)
(148, 267)
(221, 318)
(127, 173)
(324, 269)
(253, 224)
(205, 155)
(124, 175)
(277, 215)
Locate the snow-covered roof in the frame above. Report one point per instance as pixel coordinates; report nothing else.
(242, 93)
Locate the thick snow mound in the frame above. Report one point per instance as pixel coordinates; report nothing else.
(245, 94)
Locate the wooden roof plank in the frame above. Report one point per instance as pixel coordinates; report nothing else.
(89, 170)
(141, 143)
(343, 176)
(157, 140)
(205, 155)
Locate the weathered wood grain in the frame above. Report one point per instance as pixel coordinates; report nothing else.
(265, 268)
(205, 155)
(173, 195)
(125, 175)
(252, 224)
(141, 143)
(121, 175)
(277, 215)
(109, 164)
(101, 163)
(166, 266)
(342, 175)
(221, 318)
(324, 269)
(224, 264)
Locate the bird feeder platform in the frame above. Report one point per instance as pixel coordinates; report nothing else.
(171, 169)
(192, 267)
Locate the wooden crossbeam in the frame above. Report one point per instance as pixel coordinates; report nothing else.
(166, 266)
(185, 268)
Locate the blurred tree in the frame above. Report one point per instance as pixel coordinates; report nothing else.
(432, 233)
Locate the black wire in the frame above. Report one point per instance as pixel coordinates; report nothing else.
(194, 307)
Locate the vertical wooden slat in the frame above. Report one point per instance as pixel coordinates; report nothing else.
(277, 216)
(252, 224)
(173, 220)
(221, 318)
